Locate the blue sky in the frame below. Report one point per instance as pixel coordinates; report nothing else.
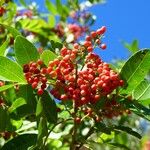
(125, 20)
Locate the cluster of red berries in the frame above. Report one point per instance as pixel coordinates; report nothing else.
(95, 39)
(76, 30)
(83, 85)
(82, 82)
(111, 108)
(35, 75)
(2, 11)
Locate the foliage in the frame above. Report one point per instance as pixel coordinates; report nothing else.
(56, 93)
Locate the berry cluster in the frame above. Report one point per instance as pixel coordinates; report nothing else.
(72, 31)
(95, 39)
(35, 75)
(80, 74)
(83, 85)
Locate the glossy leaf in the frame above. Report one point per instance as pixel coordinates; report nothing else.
(25, 51)
(3, 47)
(21, 142)
(11, 71)
(47, 56)
(142, 92)
(128, 130)
(135, 70)
(16, 104)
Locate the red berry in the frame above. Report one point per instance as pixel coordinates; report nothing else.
(34, 85)
(63, 97)
(102, 30)
(88, 38)
(77, 120)
(40, 91)
(44, 71)
(103, 46)
(39, 62)
(2, 11)
(90, 49)
(93, 34)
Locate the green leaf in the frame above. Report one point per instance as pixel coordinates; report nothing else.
(135, 70)
(39, 108)
(23, 3)
(42, 130)
(49, 107)
(55, 45)
(59, 7)
(135, 46)
(128, 130)
(26, 92)
(38, 26)
(118, 145)
(5, 87)
(51, 21)
(3, 47)
(51, 7)
(142, 91)
(11, 71)
(47, 56)
(103, 128)
(139, 108)
(16, 104)
(12, 30)
(4, 119)
(25, 51)
(21, 142)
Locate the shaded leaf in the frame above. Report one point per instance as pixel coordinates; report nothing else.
(4, 119)
(16, 104)
(120, 145)
(5, 87)
(21, 142)
(26, 92)
(103, 128)
(128, 130)
(42, 130)
(49, 107)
